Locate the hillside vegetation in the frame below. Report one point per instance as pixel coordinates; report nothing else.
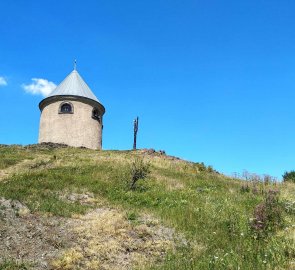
(69, 208)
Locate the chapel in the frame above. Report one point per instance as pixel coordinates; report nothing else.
(72, 115)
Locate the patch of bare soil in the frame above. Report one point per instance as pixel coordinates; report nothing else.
(86, 198)
(102, 239)
(28, 237)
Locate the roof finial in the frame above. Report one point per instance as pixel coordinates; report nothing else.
(75, 64)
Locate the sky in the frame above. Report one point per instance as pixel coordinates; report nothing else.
(211, 81)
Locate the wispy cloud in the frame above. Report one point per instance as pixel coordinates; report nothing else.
(39, 87)
(3, 81)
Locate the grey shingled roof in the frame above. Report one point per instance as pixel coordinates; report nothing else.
(73, 85)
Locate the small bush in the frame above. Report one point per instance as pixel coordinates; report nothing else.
(210, 169)
(245, 188)
(289, 176)
(139, 170)
(201, 167)
(268, 216)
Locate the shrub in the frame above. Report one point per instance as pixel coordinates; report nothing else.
(139, 170)
(210, 169)
(268, 215)
(201, 167)
(245, 188)
(289, 176)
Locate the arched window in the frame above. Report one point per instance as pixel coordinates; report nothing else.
(96, 115)
(66, 108)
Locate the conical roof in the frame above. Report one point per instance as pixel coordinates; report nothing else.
(73, 85)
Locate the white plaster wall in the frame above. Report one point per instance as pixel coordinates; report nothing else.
(77, 129)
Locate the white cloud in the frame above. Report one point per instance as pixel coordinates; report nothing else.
(3, 81)
(39, 86)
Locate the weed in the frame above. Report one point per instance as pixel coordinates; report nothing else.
(139, 170)
(268, 216)
(132, 216)
(245, 188)
(13, 265)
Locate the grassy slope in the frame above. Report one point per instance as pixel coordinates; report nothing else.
(208, 208)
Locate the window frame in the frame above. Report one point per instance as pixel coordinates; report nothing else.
(66, 103)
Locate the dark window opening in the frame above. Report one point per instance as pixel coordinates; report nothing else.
(95, 115)
(66, 108)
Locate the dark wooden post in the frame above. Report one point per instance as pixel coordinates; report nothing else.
(135, 122)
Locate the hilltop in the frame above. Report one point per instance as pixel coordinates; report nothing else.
(72, 208)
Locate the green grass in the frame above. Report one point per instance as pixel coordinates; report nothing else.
(10, 156)
(13, 265)
(209, 209)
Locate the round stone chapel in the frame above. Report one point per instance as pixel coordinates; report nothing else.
(72, 115)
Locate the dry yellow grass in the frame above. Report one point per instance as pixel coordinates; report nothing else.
(288, 191)
(106, 239)
(24, 166)
(169, 182)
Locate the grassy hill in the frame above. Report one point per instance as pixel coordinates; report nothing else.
(68, 208)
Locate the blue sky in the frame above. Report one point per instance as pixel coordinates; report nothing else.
(211, 81)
